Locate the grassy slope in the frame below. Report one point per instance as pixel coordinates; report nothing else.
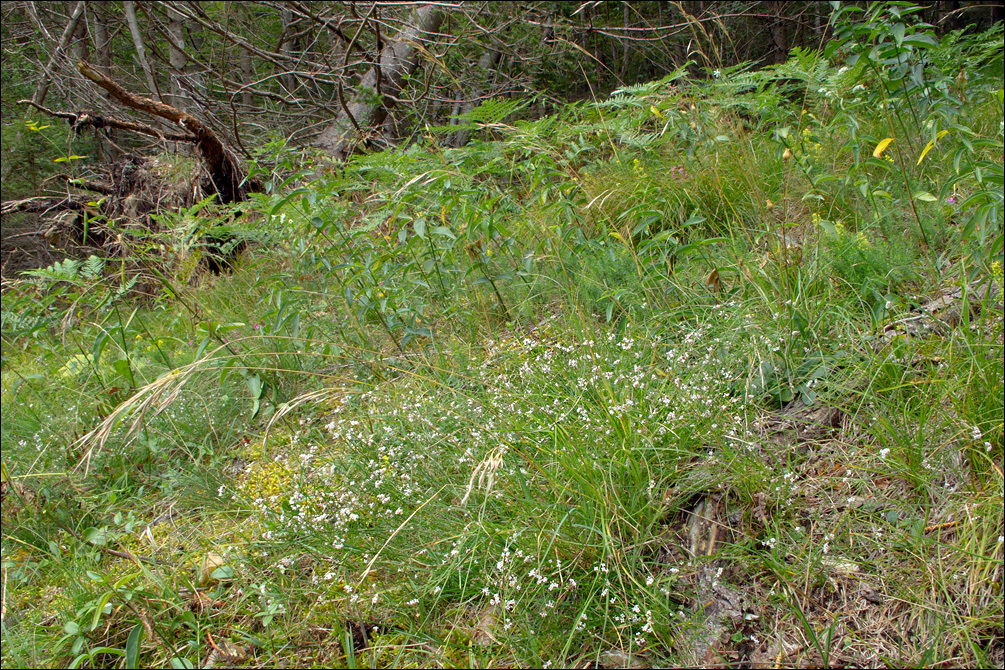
(642, 383)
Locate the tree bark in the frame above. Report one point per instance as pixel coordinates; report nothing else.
(78, 45)
(289, 46)
(102, 37)
(224, 170)
(129, 9)
(381, 85)
(245, 62)
(176, 57)
(624, 44)
(779, 31)
(42, 89)
(247, 78)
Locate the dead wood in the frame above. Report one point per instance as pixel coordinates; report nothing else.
(80, 120)
(133, 191)
(40, 205)
(224, 169)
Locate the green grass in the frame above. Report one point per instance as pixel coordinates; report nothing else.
(578, 395)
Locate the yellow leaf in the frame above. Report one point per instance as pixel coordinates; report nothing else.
(881, 147)
(652, 108)
(928, 147)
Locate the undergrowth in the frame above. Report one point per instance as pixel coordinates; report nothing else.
(704, 372)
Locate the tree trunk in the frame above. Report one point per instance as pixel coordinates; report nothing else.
(486, 64)
(176, 57)
(247, 78)
(129, 9)
(78, 46)
(779, 31)
(624, 44)
(42, 89)
(380, 86)
(102, 37)
(289, 46)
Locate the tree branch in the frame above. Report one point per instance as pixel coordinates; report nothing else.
(71, 27)
(223, 167)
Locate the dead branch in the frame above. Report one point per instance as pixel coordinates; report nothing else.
(102, 187)
(223, 167)
(39, 205)
(83, 120)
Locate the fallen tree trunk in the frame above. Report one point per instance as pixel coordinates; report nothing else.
(224, 169)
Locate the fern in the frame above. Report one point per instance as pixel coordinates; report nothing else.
(124, 289)
(93, 268)
(488, 113)
(66, 270)
(656, 87)
(634, 139)
(494, 110)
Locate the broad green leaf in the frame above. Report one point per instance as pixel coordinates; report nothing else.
(122, 368)
(223, 573)
(103, 607)
(133, 646)
(898, 30)
(254, 384)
